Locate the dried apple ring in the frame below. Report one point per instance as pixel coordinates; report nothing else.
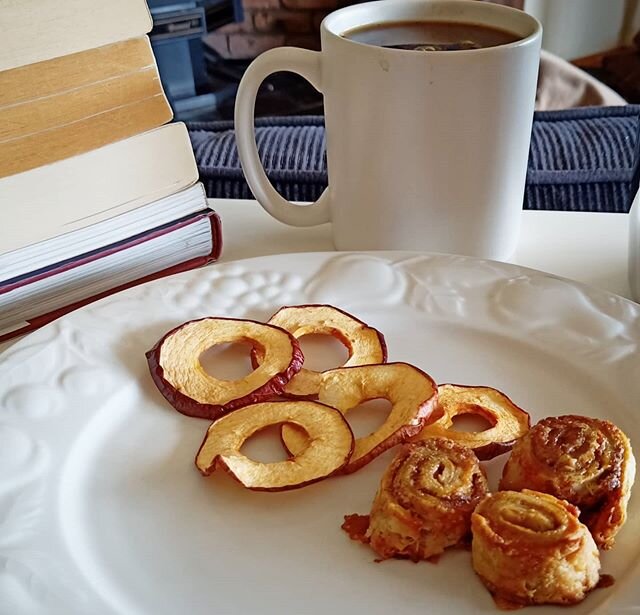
(412, 393)
(175, 365)
(330, 445)
(365, 344)
(508, 421)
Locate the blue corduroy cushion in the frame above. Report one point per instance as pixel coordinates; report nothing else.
(580, 159)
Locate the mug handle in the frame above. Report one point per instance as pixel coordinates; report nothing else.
(305, 63)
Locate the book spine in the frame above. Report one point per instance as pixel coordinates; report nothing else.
(36, 323)
(108, 250)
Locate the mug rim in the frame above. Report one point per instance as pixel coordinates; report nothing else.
(325, 26)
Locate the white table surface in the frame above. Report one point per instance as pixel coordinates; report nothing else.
(588, 247)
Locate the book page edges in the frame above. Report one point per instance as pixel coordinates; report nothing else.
(94, 186)
(37, 30)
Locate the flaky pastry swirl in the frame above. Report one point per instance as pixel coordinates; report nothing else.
(425, 500)
(530, 548)
(588, 462)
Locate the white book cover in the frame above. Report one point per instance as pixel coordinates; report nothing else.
(36, 30)
(129, 224)
(83, 190)
(107, 271)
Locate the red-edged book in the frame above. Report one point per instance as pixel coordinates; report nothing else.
(32, 299)
(87, 226)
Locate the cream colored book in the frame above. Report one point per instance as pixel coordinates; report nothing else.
(79, 191)
(36, 30)
(43, 254)
(66, 106)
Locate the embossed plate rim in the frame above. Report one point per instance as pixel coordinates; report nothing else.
(62, 357)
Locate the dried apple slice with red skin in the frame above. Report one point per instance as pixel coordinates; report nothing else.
(174, 363)
(508, 421)
(330, 445)
(365, 344)
(413, 395)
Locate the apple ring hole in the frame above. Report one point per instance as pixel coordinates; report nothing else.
(265, 445)
(472, 419)
(323, 351)
(229, 361)
(368, 416)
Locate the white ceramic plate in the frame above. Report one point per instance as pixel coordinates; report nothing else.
(103, 511)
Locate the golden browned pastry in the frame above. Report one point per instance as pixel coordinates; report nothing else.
(425, 500)
(586, 461)
(530, 548)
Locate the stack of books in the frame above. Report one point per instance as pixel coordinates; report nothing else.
(96, 192)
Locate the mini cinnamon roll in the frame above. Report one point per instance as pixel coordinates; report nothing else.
(530, 548)
(588, 462)
(425, 500)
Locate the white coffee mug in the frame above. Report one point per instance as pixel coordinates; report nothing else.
(426, 150)
(634, 248)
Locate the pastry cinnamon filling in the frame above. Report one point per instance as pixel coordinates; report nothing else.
(425, 500)
(575, 446)
(533, 518)
(585, 461)
(438, 475)
(530, 548)
(524, 513)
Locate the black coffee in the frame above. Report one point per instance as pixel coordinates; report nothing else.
(431, 35)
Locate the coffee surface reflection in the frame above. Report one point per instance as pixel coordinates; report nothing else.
(431, 35)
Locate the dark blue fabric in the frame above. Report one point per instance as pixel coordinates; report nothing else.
(580, 159)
